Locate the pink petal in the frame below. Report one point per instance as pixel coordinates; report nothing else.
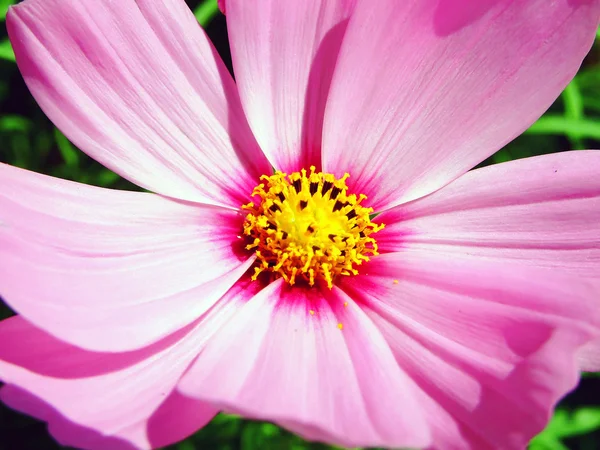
(490, 348)
(103, 400)
(284, 53)
(221, 4)
(276, 361)
(138, 86)
(542, 211)
(425, 90)
(589, 357)
(79, 260)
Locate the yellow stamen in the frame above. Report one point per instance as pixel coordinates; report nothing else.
(307, 226)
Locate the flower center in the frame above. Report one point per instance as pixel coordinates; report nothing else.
(308, 227)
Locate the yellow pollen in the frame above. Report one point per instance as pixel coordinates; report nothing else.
(345, 304)
(396, 282)
(312, 313)
(307, 226)
(341, 326)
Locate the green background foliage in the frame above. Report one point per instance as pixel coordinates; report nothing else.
(29, 140)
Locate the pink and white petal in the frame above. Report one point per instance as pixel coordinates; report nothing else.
(436, 86)
(78, 260)
(61, 429)
(276, 360)
(491, 349)
(138, 86)
(107, 400)
(182, 416)
(542, 211)
(589, 356)
(104, 400)
(284, 53)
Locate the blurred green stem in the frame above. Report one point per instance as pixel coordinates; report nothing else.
(561, 125)
(68, 152)
(573, 101)
(206, 11)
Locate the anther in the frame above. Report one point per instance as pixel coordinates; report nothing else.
(314, 187)
(298, 185)
(296, 237)
(335, 192)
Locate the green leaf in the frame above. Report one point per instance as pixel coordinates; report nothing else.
(68, 152)
(4, 4)
(6, 50)
(106, 178)
(206, 11)
(583, 420)
(565, 424)
(185, 445)
(547, 444)
(268, 429)
(13, 122)
(252, 438)
(501, 156)
(557, 425)
(549, 438)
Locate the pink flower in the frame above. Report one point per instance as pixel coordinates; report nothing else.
(139, 317)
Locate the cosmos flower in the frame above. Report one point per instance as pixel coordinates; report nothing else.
(315, 252)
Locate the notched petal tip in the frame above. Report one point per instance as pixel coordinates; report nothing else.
(435, 89)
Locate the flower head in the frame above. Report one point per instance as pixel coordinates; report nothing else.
(369, 291)
(308, 227)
